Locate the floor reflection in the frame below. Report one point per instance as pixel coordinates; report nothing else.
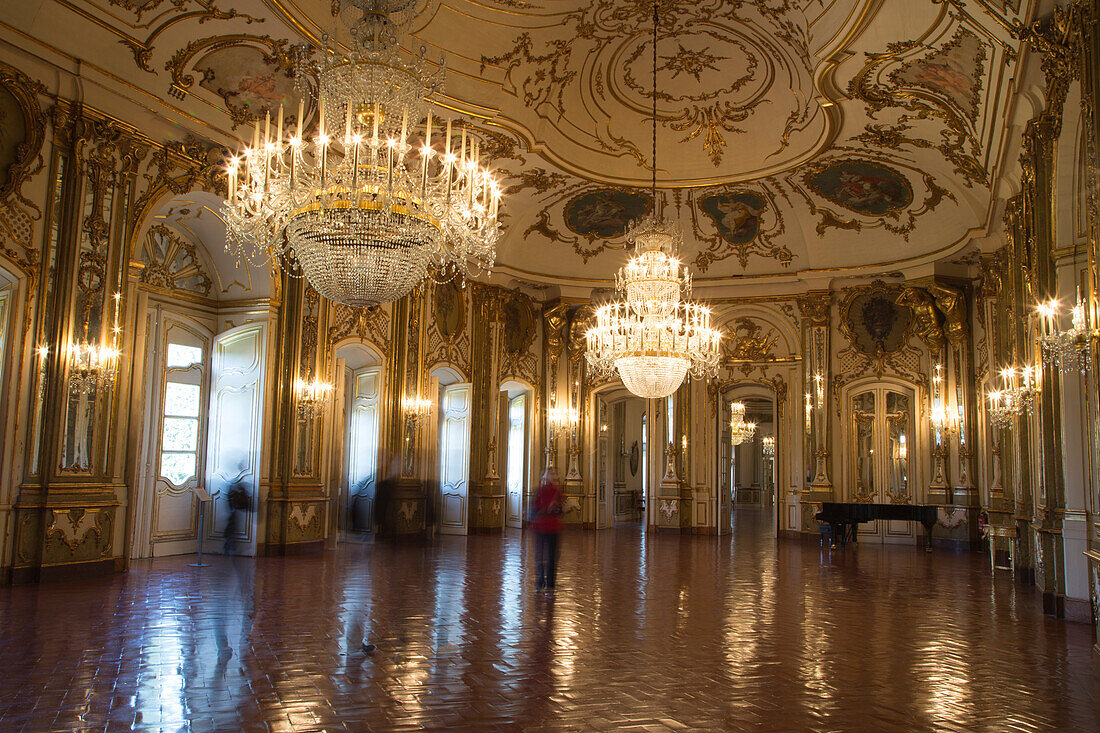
(647, 630)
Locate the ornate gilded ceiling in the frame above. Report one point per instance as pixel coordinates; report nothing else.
(797, 138)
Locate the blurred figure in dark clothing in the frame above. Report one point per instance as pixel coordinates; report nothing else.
(383, 498)
(239, 501)
(546, 514)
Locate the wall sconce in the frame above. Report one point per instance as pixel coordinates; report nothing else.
(416, 409)
(809, 413)
(903, 448)
(562, 420)
(313, 398)
(93, 367)
(1069, 350)
(944, 421)
(767, 445)
(740, 431)
(1016, 396)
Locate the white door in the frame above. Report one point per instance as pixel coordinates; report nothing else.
(179, 381)
(454, 459)
(882, 430)
(362, 447)
(236, 421)
(517, 463)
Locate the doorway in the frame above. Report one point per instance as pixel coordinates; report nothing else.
(879, 445)
(748, 472)
(454, 454)
(359, 413)
(515, 404)
(623, 463)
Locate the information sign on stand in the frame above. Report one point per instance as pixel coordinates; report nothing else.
(203, 496)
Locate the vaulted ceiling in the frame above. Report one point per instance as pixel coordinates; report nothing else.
(796, 139)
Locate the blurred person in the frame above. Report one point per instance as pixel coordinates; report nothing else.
(239, 501)
(383, 497)
(546, 512)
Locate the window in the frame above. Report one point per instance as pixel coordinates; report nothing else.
(183, 356)
(179, 440)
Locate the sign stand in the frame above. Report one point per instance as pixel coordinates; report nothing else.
(203, 496)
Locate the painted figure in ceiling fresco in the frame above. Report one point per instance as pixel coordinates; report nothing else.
(865, 188)
(604, 213)
(953, 71)
(244, 79)
(736, 215)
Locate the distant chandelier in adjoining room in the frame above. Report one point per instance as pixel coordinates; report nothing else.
(364, 218)
(740, 430)
(653, 337)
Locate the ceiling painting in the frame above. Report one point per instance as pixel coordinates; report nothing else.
(736, 223)
(865, 188)
(953, 71)
(605, 213)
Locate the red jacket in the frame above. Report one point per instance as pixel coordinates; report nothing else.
(547, 508)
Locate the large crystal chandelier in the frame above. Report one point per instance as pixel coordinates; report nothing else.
(381, 197)
(653, 337)
(740, 430)
(1069, 350)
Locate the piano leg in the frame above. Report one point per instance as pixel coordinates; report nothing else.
(837, 532)
(928, 535)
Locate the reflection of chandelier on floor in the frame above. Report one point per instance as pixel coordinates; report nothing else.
(740, 431)
(364, 217)
(653, 337)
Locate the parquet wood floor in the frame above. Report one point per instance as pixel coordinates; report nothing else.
(645, 632)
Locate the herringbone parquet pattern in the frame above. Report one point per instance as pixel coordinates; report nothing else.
(645, 633)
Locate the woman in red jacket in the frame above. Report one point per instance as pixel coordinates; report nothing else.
(546, 521)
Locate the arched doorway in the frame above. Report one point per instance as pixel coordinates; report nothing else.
(454, 397)
(516, 401)
(358, 420)
(749, 472)
(880, 442)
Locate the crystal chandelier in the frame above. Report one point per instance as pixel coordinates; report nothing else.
(1016, 397)
(653, 337)
(313, 398)
(363, 216)
(740, 431)
(94, 367)
(1069, 350)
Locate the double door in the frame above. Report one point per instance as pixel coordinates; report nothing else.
(880, 460)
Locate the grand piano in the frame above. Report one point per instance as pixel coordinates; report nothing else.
(844, 519)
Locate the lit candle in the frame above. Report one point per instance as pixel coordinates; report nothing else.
(428, 133)
(448, 149)
(301, 116)
(267, 128)
(404, 127)
(347, 126)
(374, 134)
(279, 128)
(321, 118)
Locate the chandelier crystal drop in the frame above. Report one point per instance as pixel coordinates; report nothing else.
(653, 336)
(382, 196)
